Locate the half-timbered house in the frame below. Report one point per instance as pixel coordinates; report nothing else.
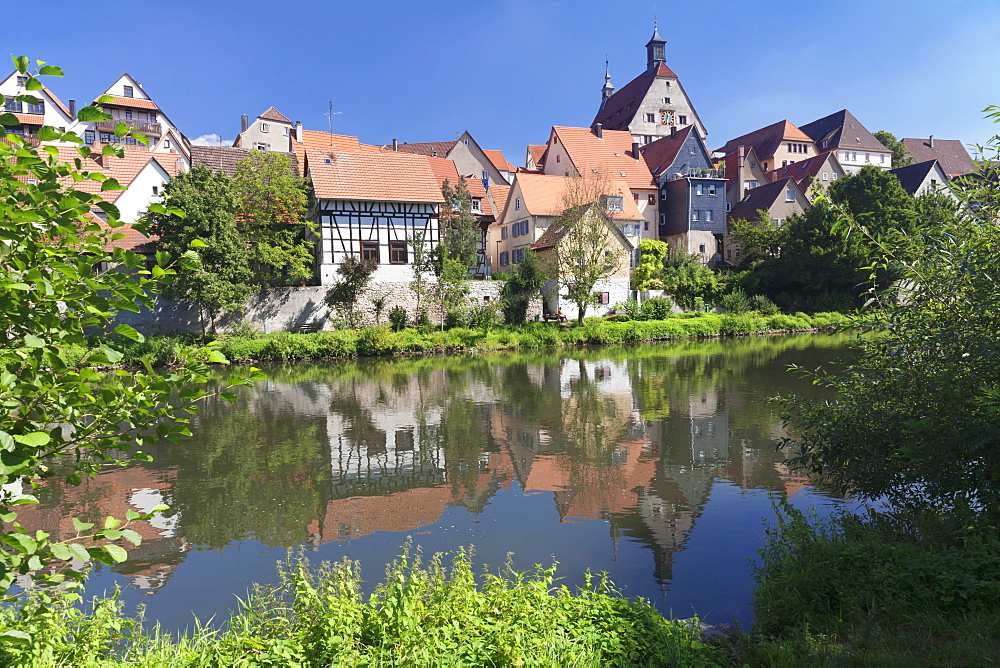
(372, 205)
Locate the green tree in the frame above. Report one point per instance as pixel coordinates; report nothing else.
(60, 420)
(522, 285)
(757, 239)
(425, 259)
(646, 275)
(270, 207)
(916, 418)
(900, 156)
(355, 275)
(460, 231)
(686, 279)
(220, 276)
(875, 199)
(450, 289)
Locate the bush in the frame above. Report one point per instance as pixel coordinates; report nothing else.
(376, 341)
(763, 305)
(421, 318)
(657, 308)
(484, 317)
(456, 317)
(397, 318)
(736, 302)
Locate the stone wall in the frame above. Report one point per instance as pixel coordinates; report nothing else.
(288, 309)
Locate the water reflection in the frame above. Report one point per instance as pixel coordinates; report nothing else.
(636, 437)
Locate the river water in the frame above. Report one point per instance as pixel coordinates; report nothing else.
(652, 462)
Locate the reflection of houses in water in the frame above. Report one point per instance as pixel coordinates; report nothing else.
(113, 493)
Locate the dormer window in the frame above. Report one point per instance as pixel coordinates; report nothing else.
(613, 203)
(264, 127)
(128, 91)
(476, 206)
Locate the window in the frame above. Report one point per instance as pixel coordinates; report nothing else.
(699, 189)
(668, 84)
(749, 184)
(933, 182)
(835, 175)
(130, 140)
(504, 259)
(152, 118)
(465, 141)
(32, 182)
(701, 248)
(708, 215)
(166, 143)
(525, 224)
(397, 252)
(646, 225)
(868, 157)
(105, 138)
(881, 158)
(369, 250)
(128, 92)
(635, 197)
(476, 206)
(826, 176)
(790, 195)
(605, 297)
(711, 189)
(666, 100)
(558, 158)
(13, 105)
(729, 254)
(264, 127)
(682, 120)
(88, 137)
(695, 214)
(651, 199)
(613, 203)
(128, 114)
(37, 108)
(503, 232)
(753, 164)
(854, 156)
(517, 255)
(650, 118)
(156, 190)
(22, 81)
(517, 204)
(259, 146)
(729, 207)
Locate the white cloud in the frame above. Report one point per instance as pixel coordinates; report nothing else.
(208, 140)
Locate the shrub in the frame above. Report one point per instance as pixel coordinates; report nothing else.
(484, 317)
(456, 317)
(376, 341)
(657, 308)
(421, 318)
(397, 318)
(736, 302)
(763, 305)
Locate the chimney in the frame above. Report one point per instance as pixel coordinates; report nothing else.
(932, 141)
(673, 131)
(244, 122)
(635, 150)
(298, 131)
(72, 108)
(395, 145)
(599, 130)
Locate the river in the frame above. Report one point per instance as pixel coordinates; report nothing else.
(652, 462)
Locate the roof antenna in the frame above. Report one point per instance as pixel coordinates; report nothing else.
(330, 114)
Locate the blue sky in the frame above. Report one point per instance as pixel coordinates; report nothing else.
(507, 70)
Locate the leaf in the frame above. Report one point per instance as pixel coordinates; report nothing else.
(79, 551)
(35, 439)
(61, 551)
(74, 479)
(121, 129)
(21, 63)
(32, 341)
(111, 534)
(198, 243)
(33, 84)
(109, 208)
(16, 636)
(90, 114)
(51, 70)
(111, 522)
(129, 332)
(132, 536)
(82, 526)
(9, 119)
(46, 133)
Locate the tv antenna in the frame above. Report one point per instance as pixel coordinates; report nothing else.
(329, 115)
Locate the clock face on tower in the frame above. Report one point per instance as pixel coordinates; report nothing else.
(666, 117)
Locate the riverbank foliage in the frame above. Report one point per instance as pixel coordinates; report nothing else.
(372, 341)
(423, 613)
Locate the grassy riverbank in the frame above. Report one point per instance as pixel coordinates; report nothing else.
(283, 346)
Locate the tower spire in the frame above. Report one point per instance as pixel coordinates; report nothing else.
(655, 48)
(608, 89)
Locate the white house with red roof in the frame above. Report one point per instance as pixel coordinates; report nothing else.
(652, 103)
(271, 131)
(48, 111)
(372, 205)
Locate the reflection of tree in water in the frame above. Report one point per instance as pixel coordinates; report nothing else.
(259, 472)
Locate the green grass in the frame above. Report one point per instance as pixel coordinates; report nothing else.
(375, 341)
(422, 614)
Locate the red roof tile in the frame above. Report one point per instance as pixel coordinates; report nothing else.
(500, 162)
(549, 195)
(435, 149)
(622, 107)
(313, 140)
(803, 171)
(766, 140)
(609, 156)
(537, 152)
(124, 170)
(365, 175)
(950, 153)
(273, 114)
(661, 153)
(31, 119)
(498, 194)
(132, 102)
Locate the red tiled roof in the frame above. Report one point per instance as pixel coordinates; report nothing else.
(314, 140)
(842, 129)
(803, 171)
(661, 153)
(57, 101)
(435, 149)
(609, 156)
(131, 238)
(124, 170)
(950, 153)
(273, 114)
(761, 197)
(549, 195)
(365, 175)
(443, 169)
(499, 194)
(132, 102)
(537, 152)
(625, 101)
(766, 140)
(30, 119)
(500, 162)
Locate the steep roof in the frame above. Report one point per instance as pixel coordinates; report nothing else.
(499, 194)
(226, 159)
(366, 175)
(660, 154)
(842, 130)
(732, 163)
(124, 170)
(803, 171)
(950, 153)
(537, 153)
(610, 155)
(125, 237)
(273, 114)
(135, 102)
(547, 194)
(314, 140)
(435, 149)
(766, 140)
(555, 232)
(761, 197)
(625, 101)
(500, 162)
(912, 176)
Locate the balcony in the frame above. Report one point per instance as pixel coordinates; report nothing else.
(145, 127)
(698, 174)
